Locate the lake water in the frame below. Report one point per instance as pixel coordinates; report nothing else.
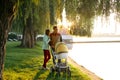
(100, 58)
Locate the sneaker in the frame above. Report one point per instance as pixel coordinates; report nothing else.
(47, 68)
(43, 68)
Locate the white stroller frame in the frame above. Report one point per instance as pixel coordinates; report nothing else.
(63, 65)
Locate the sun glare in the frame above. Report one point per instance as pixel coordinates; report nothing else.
(64, 23)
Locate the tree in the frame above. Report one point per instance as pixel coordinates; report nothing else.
(86, 10)
(7, 13)
(28, 36)
(56, 8)
(44, 15)
(27, 16)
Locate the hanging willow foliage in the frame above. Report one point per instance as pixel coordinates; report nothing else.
(88, 9)
(104, 7)
(52, 9)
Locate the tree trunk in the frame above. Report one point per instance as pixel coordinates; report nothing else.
(28, 34)
(6, 18)
(35, 35)
(2, 52)
(5, 25)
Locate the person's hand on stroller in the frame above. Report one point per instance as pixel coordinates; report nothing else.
(50, 43)
(52, 46)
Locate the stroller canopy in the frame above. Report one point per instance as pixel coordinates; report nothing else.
(61, 47)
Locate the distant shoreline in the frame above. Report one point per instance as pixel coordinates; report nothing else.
(95, 39)
(112, 41)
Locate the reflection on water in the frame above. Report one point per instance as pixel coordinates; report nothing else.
(100, 58)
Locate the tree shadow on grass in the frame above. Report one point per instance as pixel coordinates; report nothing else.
(55, 76)
(38, 74)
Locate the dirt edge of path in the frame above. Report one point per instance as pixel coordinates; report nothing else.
(92, 75)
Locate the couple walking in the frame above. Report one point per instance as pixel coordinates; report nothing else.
(50, 40)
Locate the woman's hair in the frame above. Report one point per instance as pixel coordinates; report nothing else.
(47, 31)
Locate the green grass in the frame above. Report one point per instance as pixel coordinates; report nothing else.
(24, 64)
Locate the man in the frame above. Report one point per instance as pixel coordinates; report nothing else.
(55, 37)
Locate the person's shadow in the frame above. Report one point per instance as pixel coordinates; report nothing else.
(55, 76)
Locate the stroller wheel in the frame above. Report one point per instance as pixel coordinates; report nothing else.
(59, 71)
(69, 72)
(52, 69)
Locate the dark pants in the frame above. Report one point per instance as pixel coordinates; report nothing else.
(46, 57)
(52, 51)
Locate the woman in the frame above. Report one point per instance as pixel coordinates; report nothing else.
(45, 48)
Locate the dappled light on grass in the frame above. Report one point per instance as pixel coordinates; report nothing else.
(25, 64)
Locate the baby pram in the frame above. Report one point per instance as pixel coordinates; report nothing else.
(60, 53)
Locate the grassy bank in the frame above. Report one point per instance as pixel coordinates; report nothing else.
(24, 64)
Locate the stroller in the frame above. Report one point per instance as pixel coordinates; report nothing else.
(60, 53)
